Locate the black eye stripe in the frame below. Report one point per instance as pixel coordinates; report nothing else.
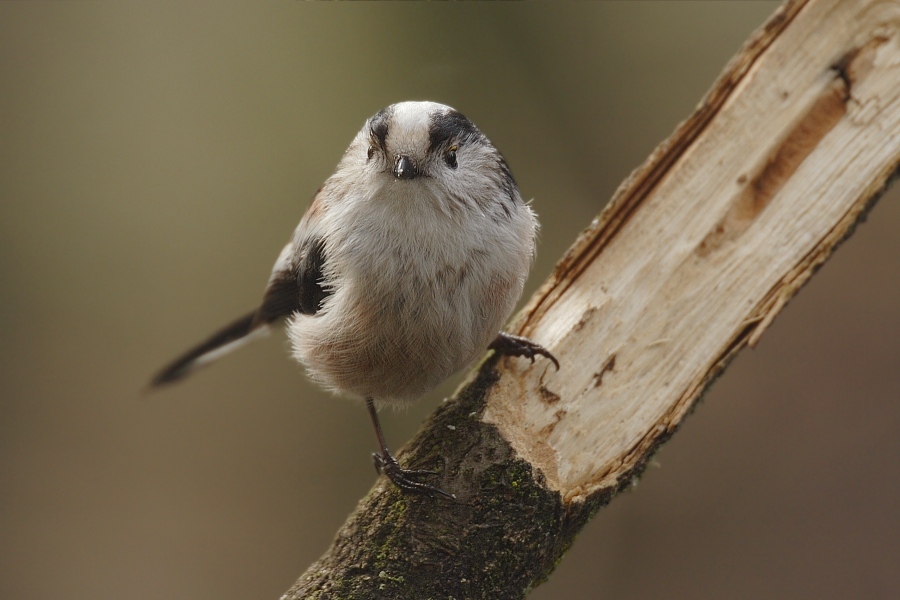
(378, 126)
(450, 126)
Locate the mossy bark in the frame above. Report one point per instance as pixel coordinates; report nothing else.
(503, 534)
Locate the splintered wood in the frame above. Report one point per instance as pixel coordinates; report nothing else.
(704, 244)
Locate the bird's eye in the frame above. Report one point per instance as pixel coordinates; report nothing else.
(370, 152)
(451, 157)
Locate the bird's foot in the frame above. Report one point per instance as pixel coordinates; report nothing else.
(404, 479)
(514, 345)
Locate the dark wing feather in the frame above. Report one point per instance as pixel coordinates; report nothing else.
(295, 289)
(298, 289)
(310, 278)
(282, 298)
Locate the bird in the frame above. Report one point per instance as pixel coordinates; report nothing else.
(403, 270)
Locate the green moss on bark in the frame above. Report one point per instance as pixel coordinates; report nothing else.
(504, 534)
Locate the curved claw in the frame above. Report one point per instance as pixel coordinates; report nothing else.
(388, 466)
(514, 345)
(381, 463)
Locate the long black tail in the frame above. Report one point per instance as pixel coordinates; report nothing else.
(222, 342)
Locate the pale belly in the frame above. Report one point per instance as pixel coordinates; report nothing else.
(396, 343)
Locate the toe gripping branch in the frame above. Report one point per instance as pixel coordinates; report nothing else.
(386, 464)
(407, 479)
(514, 345)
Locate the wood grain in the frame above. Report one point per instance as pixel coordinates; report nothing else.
(705, 244)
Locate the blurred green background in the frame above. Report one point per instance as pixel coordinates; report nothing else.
(155, 157)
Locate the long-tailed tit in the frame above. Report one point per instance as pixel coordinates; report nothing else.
(402, 271)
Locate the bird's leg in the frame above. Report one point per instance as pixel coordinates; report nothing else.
(386, 464)
(513, 345)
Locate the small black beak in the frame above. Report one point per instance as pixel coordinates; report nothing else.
(405, 168)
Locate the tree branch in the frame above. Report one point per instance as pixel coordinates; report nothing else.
(696, 254)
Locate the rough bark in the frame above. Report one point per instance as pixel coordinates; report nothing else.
(691, 261)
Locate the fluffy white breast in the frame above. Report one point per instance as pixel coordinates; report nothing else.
(423, 272)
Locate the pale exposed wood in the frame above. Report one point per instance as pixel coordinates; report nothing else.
(698, 251)
(767, 177)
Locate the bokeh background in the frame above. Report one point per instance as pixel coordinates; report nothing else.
(155, 157)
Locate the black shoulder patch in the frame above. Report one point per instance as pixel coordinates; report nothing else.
(310, 278)
(378, 126)
(446, 126)
(508, 183)
(508, 179)
(300, 289)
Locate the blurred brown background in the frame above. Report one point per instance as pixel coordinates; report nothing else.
(154, 159)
